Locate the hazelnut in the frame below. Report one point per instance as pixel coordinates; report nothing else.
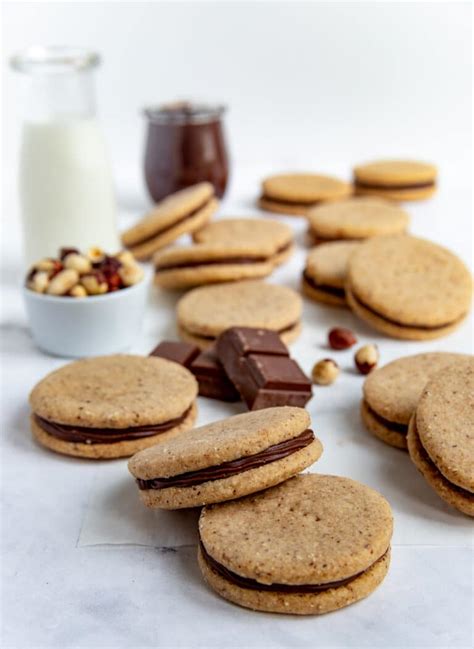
(78, 291)
(96, 254)
(77, 262)
(39, 281)
(130, 274)
(366, 358)
(63, 281)
(126, 258)
(325, 372)
(94, 283)
(340, 338)
(64, 252)
(47, 264)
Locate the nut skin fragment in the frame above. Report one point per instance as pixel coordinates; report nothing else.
(77, 262)
(325, 372)
(366, 358)
(340, 338)
(63, 282)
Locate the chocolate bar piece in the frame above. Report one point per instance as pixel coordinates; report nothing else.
(205, 366)
(259, 365)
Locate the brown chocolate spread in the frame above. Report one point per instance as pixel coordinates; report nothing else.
(392, 425)
(333, 290)
(252, 584)
(85, 435)
(264, 197)
(244, 259)
(228, 469)
(372, 185)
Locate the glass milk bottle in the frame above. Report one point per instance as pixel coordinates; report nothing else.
(66, 190)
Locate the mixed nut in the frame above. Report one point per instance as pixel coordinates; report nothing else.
(74, 274)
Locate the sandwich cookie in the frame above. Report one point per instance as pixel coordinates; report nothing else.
(441, 434)
(226, 459)
(407, 287)
(356, 218)
(205, 312)
(311, 545)
(324, 275)
(396, 180)
(210, 263)
(182, 212)
(273, 236)
(112, 406)
(391, 393)
(297, 193)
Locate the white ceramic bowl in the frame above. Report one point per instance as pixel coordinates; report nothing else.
(88, 326)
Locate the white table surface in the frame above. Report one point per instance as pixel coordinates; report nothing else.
(85, 565)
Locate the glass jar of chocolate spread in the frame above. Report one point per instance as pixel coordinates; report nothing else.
(185, 145)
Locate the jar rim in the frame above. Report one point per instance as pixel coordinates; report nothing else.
(184, 112)
(54, 59)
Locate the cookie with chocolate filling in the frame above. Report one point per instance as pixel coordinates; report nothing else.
(210, 263)
(324, 275)
(391, 393)
(275, 237)
(207, 311)
(226, 459)
(396, 180)
(112, 406)
(441, 434)
(311, 545)
(296, 193)
(356, 218)
(408, 287)
(182, 212)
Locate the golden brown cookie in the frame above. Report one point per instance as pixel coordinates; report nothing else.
(356, 218)
(226, 459)
(295, 193)
(391, 393)
(207, 311)
(441, 434)
(112, 406)
(272, 235)
(396, 180)
(182, 212)
(324, 275)
(408, 287)
(311, 545)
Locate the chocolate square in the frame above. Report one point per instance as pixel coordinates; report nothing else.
(179, 352)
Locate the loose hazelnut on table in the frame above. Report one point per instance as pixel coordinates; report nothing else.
(340, 338)
(366, 358)
(325, 372)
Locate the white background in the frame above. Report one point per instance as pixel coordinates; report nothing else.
(310, 86)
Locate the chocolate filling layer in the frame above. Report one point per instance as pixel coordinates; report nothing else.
(224, 260)
(372, 185)
(403, 324)
(392, 425)
(228, 469)
(333, 290)
(170, 226)
(425, 456)
(279, 331)
(252, 584)
(86, 435)
(290, 203)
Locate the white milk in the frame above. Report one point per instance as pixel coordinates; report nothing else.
(66, 188)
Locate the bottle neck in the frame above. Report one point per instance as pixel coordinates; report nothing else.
(64, 96)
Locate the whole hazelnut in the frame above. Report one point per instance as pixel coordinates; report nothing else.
(94, 283)
(130, 275)
(39, 281)
(96, 254)
(366, 358)
(77, 262)
(126, 258)
(63, 281)
(340, 338)
(325, 372)
(78, 291)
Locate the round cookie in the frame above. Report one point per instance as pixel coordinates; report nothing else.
(274, 236)
(311, 545)
(112, 406)
(407, 287)
(356, 218)
(397, 180)
(226, 459)
(207, 263)
(440, 437)
(207, 311)
(182, 212)
(295, 193)
(391, 393)
(324, 276)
